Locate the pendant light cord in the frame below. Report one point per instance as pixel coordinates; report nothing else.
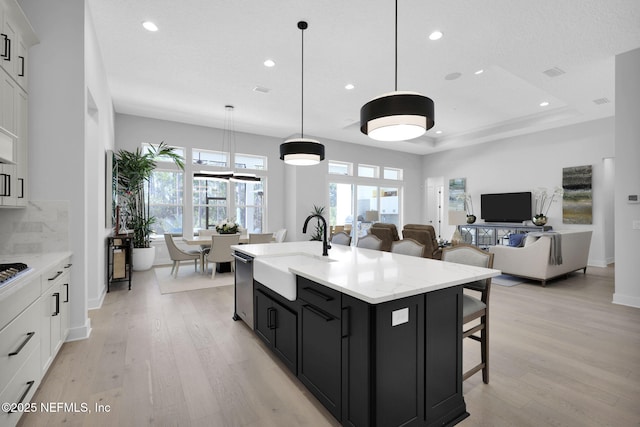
(302, 88)
(396, 34)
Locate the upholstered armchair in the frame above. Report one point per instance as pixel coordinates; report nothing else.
(388, 233)
(425, 235)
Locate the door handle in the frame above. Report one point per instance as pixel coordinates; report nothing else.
(56, 295)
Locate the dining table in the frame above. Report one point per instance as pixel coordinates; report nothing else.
(205, 242)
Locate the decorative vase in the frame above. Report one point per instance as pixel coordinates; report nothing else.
(471, 219)
(539, 220)
(143, 258)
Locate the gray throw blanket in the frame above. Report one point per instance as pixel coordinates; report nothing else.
(555, 254)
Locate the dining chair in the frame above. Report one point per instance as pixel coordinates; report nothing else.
(280, 235)
(221, 251)
(176, 254)
(260, 238)
(370, 241)
(407, 247)
(206, 232)
(474, 308)
(341, 238)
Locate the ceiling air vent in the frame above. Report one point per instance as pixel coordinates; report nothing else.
(601, 101)
(554, 72)
(261, 89)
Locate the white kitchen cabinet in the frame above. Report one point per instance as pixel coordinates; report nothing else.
(54, 311)
(8, 171)
(20, 340)
(16, 36)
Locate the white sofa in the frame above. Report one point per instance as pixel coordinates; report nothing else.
(532, 260)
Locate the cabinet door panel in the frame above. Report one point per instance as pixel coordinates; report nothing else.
(320, 356)
(263, 317)
(285, 336)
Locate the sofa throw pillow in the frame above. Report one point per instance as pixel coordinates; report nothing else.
(530, 239)
(517, 239)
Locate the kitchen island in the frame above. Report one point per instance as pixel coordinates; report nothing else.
(375, 336)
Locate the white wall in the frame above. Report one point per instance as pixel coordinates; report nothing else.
(627, 179)
(68, 135)
(526, 162)
(291, 190)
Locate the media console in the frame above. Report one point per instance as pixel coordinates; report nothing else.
(494, 233)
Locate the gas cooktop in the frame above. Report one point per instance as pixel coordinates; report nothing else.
(11, 271)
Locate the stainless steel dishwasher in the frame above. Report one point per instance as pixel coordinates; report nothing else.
(244, 288)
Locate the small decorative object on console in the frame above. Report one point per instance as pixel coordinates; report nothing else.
(227, 227)
(543, 201)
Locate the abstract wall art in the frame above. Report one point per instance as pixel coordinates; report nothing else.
(457, 188)
(577, 202)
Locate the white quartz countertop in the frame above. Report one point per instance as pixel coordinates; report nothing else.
(369, 275)
(37, 263)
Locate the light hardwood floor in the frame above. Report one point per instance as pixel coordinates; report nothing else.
(560, 356)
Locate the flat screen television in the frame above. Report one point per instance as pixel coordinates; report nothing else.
(505, 207)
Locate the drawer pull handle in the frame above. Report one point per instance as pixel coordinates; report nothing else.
(56, 276)
(68, 266)
(29, 336)
(30, 384)
(318, 293)
(21, 72)
(67, 299)
(318, 313)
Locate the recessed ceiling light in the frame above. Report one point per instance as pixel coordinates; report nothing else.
(479, 72)
(150, 26)
(349, 86)
(436, 35)
(438, 132)
(544, 104)
(269, 63)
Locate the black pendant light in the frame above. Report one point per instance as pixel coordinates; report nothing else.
(397, 116)
(228, 141)
(302, 151)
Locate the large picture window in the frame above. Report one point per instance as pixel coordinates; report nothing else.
(210, 203)
(166, 194)
(249, 202)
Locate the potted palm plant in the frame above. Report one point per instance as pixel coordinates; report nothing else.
(134, 171)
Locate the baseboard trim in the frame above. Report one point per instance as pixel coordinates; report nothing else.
(627, 300)
(80, 333)
(96, 303)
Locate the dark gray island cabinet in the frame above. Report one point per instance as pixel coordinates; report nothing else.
(394, 363)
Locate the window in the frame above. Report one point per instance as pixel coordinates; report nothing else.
(340, 168)
(248, 161)
(210, 158)
(392, 173)
(209, 203)
(368, 171)
(249, 203)
(166, 195)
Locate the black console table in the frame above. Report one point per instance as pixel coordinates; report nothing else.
(490, 234)
(119, 259)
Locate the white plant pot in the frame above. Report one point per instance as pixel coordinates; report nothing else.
(143, 258)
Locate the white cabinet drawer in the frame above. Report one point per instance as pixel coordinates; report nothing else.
(55, 275)
(17, 341)
(21, 388)
(12, 305)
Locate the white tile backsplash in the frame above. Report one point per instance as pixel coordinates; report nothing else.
(43, 226)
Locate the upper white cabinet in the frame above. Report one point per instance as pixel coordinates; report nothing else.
(16, 36)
